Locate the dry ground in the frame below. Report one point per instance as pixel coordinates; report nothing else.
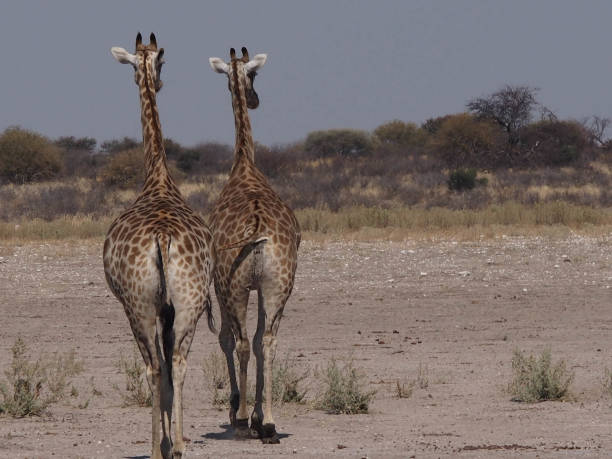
(457, 309)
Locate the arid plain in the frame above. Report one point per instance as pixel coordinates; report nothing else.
(448, 312)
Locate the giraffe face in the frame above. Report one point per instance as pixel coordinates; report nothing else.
(147, 62)
(241, 74)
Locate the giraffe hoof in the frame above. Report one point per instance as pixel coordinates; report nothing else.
(241, 429)
(269, 435)
(266, 433)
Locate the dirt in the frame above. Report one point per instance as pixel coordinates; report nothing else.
(447, 313)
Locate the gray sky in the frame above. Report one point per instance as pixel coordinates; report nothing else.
(331, 63)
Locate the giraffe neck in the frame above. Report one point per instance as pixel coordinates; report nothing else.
(245, 147)
(156, 167)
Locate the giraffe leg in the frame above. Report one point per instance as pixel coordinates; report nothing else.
(153, 373)
(179, 370)
(228, 344)
(166, 392)
(264, 347)
(236, 314)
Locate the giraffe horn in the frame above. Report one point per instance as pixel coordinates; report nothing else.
(153, 41)
(232, 53)
(138, 40)
(245, 54)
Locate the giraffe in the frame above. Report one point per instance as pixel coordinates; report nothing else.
(158, 261)
(256, 236)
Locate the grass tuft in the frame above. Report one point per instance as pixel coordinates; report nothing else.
(286, 381)
(136, 392)
(607, 382)
(537, 379)
(30, 387)
(343, 389)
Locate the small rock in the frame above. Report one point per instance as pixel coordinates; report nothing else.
(340, 446)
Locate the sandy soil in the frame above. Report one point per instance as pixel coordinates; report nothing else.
(457, 310)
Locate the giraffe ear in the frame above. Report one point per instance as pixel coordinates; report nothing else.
(123, 56)
(256, 63)
(218, 65)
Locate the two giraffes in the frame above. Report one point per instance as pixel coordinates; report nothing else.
(160, 258)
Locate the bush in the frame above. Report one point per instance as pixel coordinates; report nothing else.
(125, 169)
(80, 144)
(115, 146)
(462, 179)
(26, 156)
(206, 158)
(538, 379)
(343, 142)
(30, 387)
(397, 132)
(464, 141)
(432, 125)
(553, 143)
(344, 393)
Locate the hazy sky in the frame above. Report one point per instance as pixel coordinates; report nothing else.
(331, 63)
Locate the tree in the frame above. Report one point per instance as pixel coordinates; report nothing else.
(432, 125)
(114, 145)
(596, 126)
(342, 142)
(28, 156)
(553, 143)
(124, 169)
(399, 133)
(72, 143)
(511, 107)
(465, 141)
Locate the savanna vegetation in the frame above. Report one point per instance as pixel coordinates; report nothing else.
(505, 160)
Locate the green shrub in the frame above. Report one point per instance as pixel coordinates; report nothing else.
(30, 387)
(26, 156)
(538, 379)
(462, 179)
(343, 390)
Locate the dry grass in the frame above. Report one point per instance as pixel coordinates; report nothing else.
(136, 392)
(66, 227)
(536, 379)
(32, 386)
(435, 219)
(372, 223)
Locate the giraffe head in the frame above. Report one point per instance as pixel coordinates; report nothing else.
(147, 61)
(241, 74)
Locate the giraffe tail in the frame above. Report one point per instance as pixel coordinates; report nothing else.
(209, 315)
(165, 312)
(163, 258)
